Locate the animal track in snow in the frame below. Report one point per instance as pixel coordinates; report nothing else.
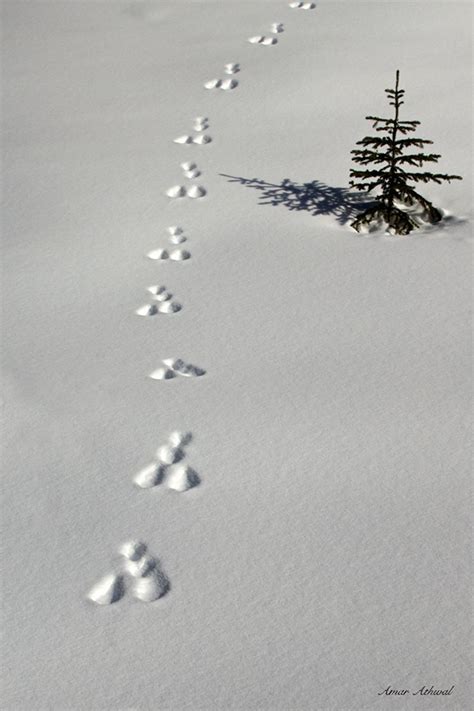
(190, 170)
(232, 68)
(160, 293)
(150, 476)
(176, 191)
(264, 40)
(200, 140)
(147, 310)
(166, 468)
(176, 236)
(177, 255)
(182, 478)
(179, 191)
(261, 39)
(172, 367)
(302, 5)
(165, 304)
(139, 574)
(225, 84)
(149, 583)
(196, 191)
(200, 124)
(181, 368)
(109, 589)
(133, 550)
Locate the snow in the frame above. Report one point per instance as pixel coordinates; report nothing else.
(324, 554)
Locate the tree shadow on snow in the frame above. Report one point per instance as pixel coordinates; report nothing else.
(316, 197)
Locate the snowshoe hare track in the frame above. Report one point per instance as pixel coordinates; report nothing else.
(165, 304)
(168, 467)
(177, 255)
(175, 236)
(232, 68)
(180, 191)
(174, 367)
(265, 40)
(200, 124)
(139, 574)
(302, 5)
(224, 84)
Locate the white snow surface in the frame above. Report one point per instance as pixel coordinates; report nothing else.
(325, 553)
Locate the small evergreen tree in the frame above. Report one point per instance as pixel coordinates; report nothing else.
(386, 153)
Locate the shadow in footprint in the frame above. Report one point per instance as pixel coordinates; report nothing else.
(316, 197)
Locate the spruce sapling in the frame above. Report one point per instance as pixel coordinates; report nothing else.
(387, 155)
